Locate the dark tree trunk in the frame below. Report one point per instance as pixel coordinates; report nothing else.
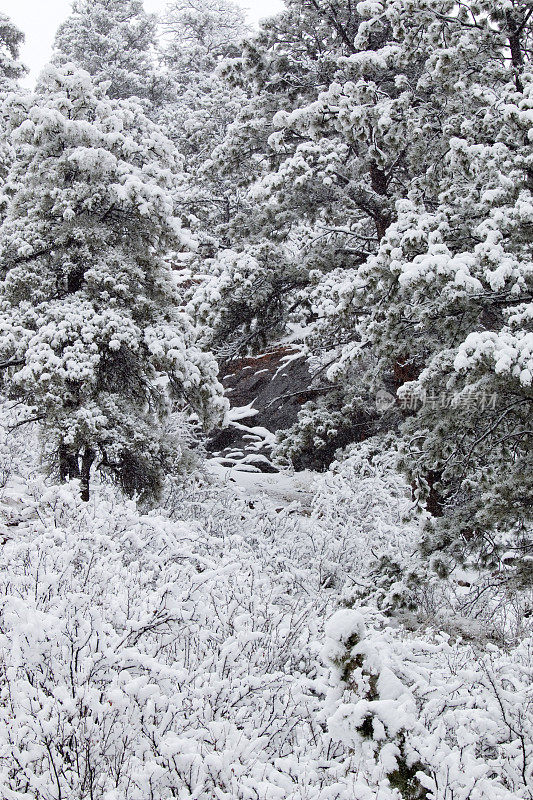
(515, 47)
(72, 466)
(69, 467)
(86, 464)
(435, 502)
(379, 183)
(404, 370)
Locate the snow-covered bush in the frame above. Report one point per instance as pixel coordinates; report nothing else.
(442, 719)
(182, 654)
(146, 657)
(370, 511)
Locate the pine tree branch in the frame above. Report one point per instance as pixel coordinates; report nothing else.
(15, 362)
(37, 418)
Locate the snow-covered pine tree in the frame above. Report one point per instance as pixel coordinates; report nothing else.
(398, 183)
(11, 39)
(461, 294)
(91, 335)
(284, 67)
(10, 71)
(198, 35)
(320, 153)
(444, 307)
(113, 40)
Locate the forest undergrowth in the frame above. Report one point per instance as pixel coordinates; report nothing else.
(218, 647)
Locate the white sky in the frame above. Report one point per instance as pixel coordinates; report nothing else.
(39, 20)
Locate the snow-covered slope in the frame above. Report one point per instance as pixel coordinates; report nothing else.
(201, 652)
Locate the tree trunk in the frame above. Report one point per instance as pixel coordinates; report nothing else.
(379, 183)
(515, 47)
(69, 467)
(404, 370)
(86, 464)
(435, 502)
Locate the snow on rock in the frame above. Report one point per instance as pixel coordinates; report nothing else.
(271, 387)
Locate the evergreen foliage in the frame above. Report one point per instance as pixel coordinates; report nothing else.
(91, 327)
(385, 153)
(10, 71)
(115, 41)
(198, 35)
(11, 39)
(354, 184)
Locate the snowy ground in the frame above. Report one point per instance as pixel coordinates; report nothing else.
(235, 645)
(277, 490)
